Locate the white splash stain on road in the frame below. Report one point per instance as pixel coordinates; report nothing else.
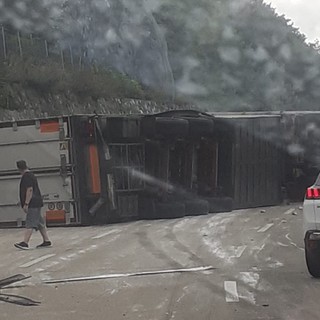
(250, 278)
(282, 244)
(214, 232)
(248, 296)
(292, 243)
(275, 264)
(265, 228)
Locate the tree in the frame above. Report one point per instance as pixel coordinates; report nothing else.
(244, 55)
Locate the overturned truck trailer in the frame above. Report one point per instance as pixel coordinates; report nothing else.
(103, 169)
(47, 147)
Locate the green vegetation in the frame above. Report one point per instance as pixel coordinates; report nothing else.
(48, 77)
(225, 55)
(41, 71)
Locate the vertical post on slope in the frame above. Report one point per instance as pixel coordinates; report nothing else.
(62, 58)
(19, 43)
(80, 62)
(71, 55)
(4, 43)
(31, 39)
(46, 47)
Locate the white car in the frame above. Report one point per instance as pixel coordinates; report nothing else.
(311, 222)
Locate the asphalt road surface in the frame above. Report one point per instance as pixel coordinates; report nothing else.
(258, 257)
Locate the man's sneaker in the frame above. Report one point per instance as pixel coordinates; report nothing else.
(22, 245)
(44, 244)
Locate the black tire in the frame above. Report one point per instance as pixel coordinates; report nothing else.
(196, 207)
(313, 262)
(221, 204)
(147, 209)
(120, 128)
(200, 127)
(165, 127)
(171, 210)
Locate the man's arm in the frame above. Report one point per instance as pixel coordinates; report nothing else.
(29, 194)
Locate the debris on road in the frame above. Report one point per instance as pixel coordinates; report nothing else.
(17, 278)
(19, 300)
(263, 211)
(16, 299)
(125, 275)
(290, 211)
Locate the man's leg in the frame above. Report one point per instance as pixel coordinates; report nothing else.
(27, 235)
(44, 233)
(30, 225)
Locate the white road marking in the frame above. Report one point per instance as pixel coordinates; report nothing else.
(290, 211)
(99, 236)
(35, 261)
(265, 228)
(231, 291)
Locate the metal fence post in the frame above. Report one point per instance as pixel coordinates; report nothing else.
(62, 58)
(46, 47)
(4, 42)
(80, 62)
(19, 43)
(71, 55)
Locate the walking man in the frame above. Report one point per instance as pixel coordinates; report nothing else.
(31, 203)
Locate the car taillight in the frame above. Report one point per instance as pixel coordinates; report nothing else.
(313, 193)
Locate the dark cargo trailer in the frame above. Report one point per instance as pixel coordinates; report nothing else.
(251, 162)
(98, 169)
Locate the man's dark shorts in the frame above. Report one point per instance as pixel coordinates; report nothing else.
(35, 219)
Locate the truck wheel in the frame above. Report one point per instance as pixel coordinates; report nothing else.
(171, 210)
(200, 127)
(313, 262)
(146, 209)
(165, 127)
(196, 207)
(220, 204)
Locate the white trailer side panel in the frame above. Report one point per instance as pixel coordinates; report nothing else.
(57, 195)
(39, 148)
(46, 146)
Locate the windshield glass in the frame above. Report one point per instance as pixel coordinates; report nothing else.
(164, 150)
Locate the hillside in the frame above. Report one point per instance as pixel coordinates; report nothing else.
(239, 55)
(220, 55)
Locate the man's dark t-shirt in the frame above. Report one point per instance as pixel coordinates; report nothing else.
(29, 180)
